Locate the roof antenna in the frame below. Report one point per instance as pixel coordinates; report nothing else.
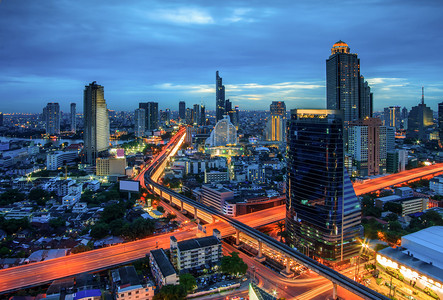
(422, 95)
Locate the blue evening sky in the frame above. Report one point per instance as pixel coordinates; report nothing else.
(168, 51)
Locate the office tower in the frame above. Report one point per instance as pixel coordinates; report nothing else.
(151, 117)
(202, 115)
(189, 116)
(392, 116)
(419, 120)
(96, 120)
(219, 97)
(404, 118)
(346, 89)
(1, 119)
(365, 146)
(228, 106)
(52, 118)
(232, 113)
(440, 121)
(73, 117)
(366, 99)
(223, 134)
(322, 211)
(276, 125)
(182, 110)
(139, 122)
(167, 116)
(237, 116)
(196, 114)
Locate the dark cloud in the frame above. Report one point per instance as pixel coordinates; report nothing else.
(169, 50)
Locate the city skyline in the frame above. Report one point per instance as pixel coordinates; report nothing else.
(149, 53)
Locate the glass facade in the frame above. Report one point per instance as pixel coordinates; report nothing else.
(323, 213)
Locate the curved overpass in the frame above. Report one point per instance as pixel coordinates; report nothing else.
(153, 173)
(376, 184)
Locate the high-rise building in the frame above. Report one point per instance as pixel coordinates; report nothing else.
(52, 118)
(139, 122)
(189, 116)
(365, 146)
(1, 119)
(392, 116)
(182, 110)
(440, 121)
(73, 118)
(323, 214)
(346, 89)
(96, 120)
(276, 125)
(419, 120)
(202, 115)
(151, 117)
(165, 116)
(220, 102)
(196, 114)
(404, 118)
(366, 99)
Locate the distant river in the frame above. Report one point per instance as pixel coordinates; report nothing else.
(55, 142)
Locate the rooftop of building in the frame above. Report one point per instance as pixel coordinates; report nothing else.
(198, 243)
(163, 262)
(259, 293)
(126, 276)
(431, 237)
(413, 263)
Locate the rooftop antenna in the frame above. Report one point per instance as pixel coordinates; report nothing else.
(422, 95)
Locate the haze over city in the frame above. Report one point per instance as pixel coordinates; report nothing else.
(168, 51)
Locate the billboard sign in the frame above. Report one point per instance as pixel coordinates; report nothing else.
(129, 186)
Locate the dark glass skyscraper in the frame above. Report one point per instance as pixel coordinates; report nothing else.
(182, 110)
(322, 211)
(419, 120)
(151, 109)
(219, 97)
(73, 117)
(96, 120)
(346, 89)
(440, 121)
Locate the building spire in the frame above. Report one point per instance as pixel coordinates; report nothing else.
(422, 95)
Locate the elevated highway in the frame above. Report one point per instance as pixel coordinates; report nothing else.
(209, 214)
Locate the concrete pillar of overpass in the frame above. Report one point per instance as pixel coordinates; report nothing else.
(181, 205)
(287, 271)
(334, 291)
(195, 213)
(260, 256)
(237, 239)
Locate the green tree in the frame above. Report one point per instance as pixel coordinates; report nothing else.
(57, 222)
(113, 212)
(170, 216)
(171, 292)
(233, 264)
(160, 209)
(39, 195)
(188, 282)
(391, 217)
(82, 248)
(11, 196)
(395, 226)
(99, 231)
(116, 226)
(393, 207)
(4, 251)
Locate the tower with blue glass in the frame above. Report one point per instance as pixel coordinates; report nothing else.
(323, 215)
